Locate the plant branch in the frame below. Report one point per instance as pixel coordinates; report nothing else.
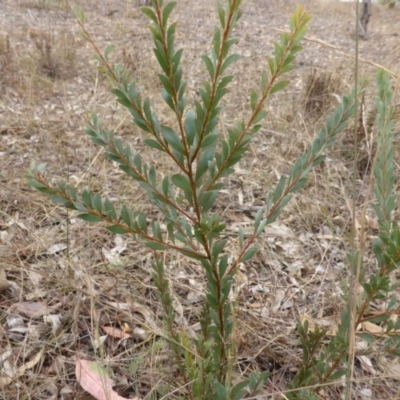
(120, 82)
(57, 192)
(124, 159)
(297, 32)
(214, 84)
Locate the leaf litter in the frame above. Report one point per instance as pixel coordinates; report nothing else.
(57, 283)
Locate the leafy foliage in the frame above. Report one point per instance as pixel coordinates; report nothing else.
(324, 362)
(203, 158)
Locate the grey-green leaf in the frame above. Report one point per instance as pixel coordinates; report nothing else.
(156, 246)
(181, 182)
(249, 254)
(117, 229)
(190, 126)
(279, 86)
(90, 218)
(154, 144)
(172, 139)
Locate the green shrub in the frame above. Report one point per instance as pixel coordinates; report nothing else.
(203, 158)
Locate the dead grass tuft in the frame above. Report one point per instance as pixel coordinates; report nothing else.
(55, 56)
(7, 60)
(322, 90)
(45, 5)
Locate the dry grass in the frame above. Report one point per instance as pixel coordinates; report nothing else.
(50, 84)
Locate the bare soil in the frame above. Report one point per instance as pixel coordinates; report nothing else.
(63, 282)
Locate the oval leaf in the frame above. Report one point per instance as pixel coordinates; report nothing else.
(181, 182)
(89, 218)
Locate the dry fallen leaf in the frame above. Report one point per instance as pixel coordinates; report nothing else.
(55, 321)
(115, 332)
(366, 364)
(311, 324)
(3, 280)
(32, 310)
(35, 309)
(67, 391)
(278, 230)
(36, 294)
(365, 393)
(140, 333)
(125, 328)
(7, 368)
(276, 300)
(391, 368)
(6, 380)
(16, 221)
(5, 236)
(97, 343)
(55, 248)
(372, 328)
(141, 309)
(113, 255)
(95, 380)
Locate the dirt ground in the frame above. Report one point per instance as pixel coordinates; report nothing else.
(65, 284)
